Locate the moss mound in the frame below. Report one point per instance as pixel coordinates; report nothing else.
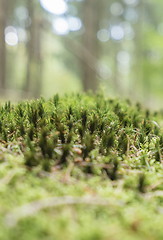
(80, 167)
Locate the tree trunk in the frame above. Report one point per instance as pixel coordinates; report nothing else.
(38, 59)
(33, 78)
(90, 42)
(2, 44)
(137, 87)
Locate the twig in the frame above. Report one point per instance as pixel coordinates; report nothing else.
(68, 172)
(156, 124)
(84, 164)
(135, 138)
(128, 146)
(154, 185)
(136, 150)
(119, 186)
(147, 164)
(6, 180)
(160, 157)
(29, 209)
(11, 134)
(150, 195)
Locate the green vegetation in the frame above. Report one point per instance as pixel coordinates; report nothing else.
(80, 167)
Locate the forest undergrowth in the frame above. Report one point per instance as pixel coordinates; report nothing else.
(80, 167)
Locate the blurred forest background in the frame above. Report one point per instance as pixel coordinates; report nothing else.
(64, 46)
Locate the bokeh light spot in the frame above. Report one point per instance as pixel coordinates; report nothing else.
(116, 9)
(60, 26)
(103, 35)
(11, 38)
(117, 33)
(123, 57)
(131, 2)
(21, 13)
(57, 7)
(72, 10)
(74, 23)
(128, 31)
(131, 15)
(9, 29)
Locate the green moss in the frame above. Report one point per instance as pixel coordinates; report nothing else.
(81, 145)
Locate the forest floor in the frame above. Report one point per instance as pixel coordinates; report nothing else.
(80, 167)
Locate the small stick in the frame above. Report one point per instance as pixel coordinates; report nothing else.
(154, 185)
(83, 164)
(128, 146)
(160, 157)
(6, 180)
(29, 209)
(135, 138)
(147, 164)
(150, 195)
(68, 172)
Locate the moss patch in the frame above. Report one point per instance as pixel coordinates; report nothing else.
(80, 167)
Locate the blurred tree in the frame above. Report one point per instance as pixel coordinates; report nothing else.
(87, 48)
(136, 80)
(11, 56)
(34, 66)
(117, 43)
(90, 42)
(3, 8)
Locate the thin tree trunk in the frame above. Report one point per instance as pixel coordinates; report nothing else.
(137, 86)
(90, 43)
(2, 44)
(33, 77)
(38, 59)
(30, 46)
(11, 56)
